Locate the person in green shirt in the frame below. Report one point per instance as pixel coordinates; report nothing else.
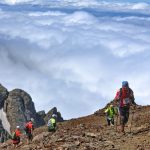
(110, 113)
(52, 123)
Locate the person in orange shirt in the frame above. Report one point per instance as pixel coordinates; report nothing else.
(16, 137)
(29, 130)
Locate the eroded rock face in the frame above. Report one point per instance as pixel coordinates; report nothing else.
(19, 108)
(3, 95)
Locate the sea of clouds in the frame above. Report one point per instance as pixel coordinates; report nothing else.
(74, 54)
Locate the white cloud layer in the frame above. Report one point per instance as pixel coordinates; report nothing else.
(75, 56)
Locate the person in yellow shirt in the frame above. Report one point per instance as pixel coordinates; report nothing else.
(52, 123)
(110, 113)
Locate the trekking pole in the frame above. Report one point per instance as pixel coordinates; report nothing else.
(131, 121)
(116, 122)
(117, 113)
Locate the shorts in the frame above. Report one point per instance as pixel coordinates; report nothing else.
(124, 115)
(29, 136)
(16, 141)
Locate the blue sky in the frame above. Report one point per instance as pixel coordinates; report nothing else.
(74, 54)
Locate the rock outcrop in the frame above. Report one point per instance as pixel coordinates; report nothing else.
(3, 132)
(51, 112)
(19, 108)
(3, 95)
(41, 113)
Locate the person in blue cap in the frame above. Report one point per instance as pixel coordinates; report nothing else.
(124, 99)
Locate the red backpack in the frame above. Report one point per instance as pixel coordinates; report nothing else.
(28, 127)
(125, 96)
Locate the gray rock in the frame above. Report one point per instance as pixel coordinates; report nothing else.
(51, 112)
(41, 113)
(3, 95)
(19, 108)
(93, 135)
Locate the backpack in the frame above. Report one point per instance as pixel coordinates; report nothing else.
(51, 126)
(28, 127)
(125, 95)
(13, 136)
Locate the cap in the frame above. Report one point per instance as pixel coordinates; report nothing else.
(54, 115)
(32, 119)
(111, 105)
(17, 127)
(125, 84)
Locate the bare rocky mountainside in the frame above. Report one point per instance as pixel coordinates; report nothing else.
(92, 133)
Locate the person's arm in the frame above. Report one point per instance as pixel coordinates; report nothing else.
(117, 98)
(132, 98)
(107, 112)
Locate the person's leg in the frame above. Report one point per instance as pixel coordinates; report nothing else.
(30, 137)
(18, 141)
(122, 118)
(112, 121)
(126, 115)
(108, 121)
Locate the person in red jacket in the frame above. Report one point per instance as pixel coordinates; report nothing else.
(16, 137)
(124, 98)
(29, 130)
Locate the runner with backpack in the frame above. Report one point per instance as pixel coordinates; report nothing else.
(52, 123)
(29, 127)
(16, 137)
(124, 99)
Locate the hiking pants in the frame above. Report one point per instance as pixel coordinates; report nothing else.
(29, 136)
(110, 121)
(124, 115)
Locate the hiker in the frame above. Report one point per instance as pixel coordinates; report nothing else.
(110, 113)
(16, 137)
(124, 98)
(29, 127)
(52, 123)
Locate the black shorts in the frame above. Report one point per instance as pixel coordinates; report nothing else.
(124, 114)
(29, 136)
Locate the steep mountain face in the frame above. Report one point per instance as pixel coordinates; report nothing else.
(3, 95)
(92, 133)
(4, 124)
(20, 108)
(16, 107)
